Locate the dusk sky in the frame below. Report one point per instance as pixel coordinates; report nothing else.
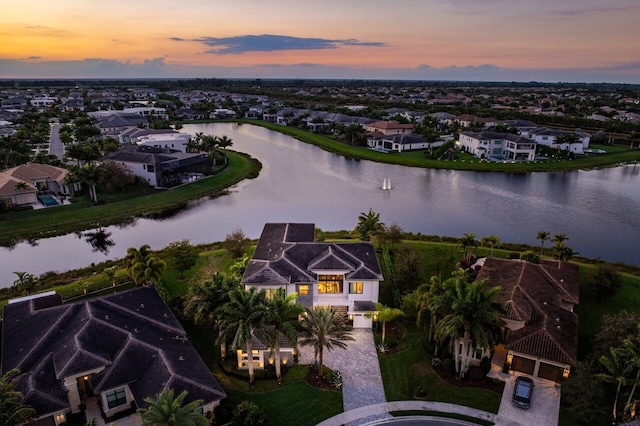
(497, 40)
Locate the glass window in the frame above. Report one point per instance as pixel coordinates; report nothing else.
(151, 168)
(356, 287)
(116, 397)
(303, 290)
(330, 284)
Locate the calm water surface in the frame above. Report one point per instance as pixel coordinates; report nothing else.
(599, 210)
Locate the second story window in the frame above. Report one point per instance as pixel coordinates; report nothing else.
(330, 284)
(356, 287)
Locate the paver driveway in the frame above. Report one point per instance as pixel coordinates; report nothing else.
(362, 382)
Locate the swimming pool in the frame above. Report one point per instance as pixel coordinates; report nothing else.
(48, 200)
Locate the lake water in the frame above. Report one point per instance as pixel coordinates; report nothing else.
(599, 210)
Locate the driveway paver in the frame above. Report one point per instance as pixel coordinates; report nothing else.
(545, 404)
(361, 378)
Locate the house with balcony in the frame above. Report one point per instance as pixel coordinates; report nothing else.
(343, 276)
(498, 146)
(544, 136)
(105, 355)
(388, 127)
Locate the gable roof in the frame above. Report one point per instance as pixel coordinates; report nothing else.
(287, 253)
(538, 295)
(132, 336)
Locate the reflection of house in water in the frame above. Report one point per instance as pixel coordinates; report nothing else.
(162, 168)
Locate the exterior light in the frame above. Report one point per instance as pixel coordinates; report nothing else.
(350, 317)
(270, 361)
(284, 361)
(509, 358)
(86, 377)
(565, 373)
(59, 418)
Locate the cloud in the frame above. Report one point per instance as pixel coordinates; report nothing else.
(271, 43)
(34, 57)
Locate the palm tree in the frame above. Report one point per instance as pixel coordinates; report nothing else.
(560, 238)
(326, 330)
(618, 370)
(282, 319)
(432, 303)
(490, 241)
(137, 255)
(473, 318)
(542, 237)
(148, 272)
(631, 348)
(241, 318)
(110, 273)
(368, 225)
(167, 410)
(12, 411)
(70, 179)
(224, 142)
(203, 300)
(25, 282)
(386, 314)
(90, 174)
(21, 186)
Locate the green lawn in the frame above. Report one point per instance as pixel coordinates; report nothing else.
(406, 370)
(15, 226)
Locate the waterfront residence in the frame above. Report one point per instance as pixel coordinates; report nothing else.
(34, 184)
(544, 136)
(541, 327)
(111, 352)
(399, 143)
(388, 127)
(344, 276)
(498, 146)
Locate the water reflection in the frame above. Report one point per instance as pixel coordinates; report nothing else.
(99, 239)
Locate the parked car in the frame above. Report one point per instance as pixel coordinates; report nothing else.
(522, 392)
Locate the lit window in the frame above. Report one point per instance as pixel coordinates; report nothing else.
(303, 290)
(330, 284)
(356, 287)
(116, 397)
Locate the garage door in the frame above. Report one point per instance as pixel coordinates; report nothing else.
(523, 365)
(550, 372)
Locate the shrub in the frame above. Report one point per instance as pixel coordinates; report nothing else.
(249, 414)
(476, 374)
(530, 256)
(485, 365)
(436, 362)
(447, 364)
(514, 255)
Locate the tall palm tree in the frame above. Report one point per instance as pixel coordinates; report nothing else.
(473, 318)
(281, 319)
(135, 255)
(241, 318)
(490, 241)
(224, 142)
(90, 174)
(619, 369)
(148, 272)
(25, 282)
(167, 410)
(204, 300)
(326, 330)
(467, 242)
(368, 225)
(431, 304)
(12, 411)
(386, 314)
(542, 237)
(631, 348)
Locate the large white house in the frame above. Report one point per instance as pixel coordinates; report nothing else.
(344, 276)
(173, 141)
(548, 137)
(500, 146)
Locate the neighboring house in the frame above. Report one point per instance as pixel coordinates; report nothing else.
(467, 120)
(118, 121)
(147, 112)
(541, 331)
(344, 276)
(222, 113)
(498, 146)
(544, 136)
(189, 114)
(174, 141)
(118, 349)
(162, 168)
(399, 143)
(21, 185)
(131, 135)
(388, 127)
(43, 102)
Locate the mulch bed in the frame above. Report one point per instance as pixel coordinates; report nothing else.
(451, 377)
(320, 383)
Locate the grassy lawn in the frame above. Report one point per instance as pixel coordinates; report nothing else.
(406, 370)
(15, 226)
(331, 145)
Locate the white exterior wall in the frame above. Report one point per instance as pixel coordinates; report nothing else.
(119, 408)
(409, 146)
(471, 144)
(332, 299)
(176, 141)
(148, 111)
(140, 170)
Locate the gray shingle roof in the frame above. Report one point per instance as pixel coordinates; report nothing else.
(132, 334)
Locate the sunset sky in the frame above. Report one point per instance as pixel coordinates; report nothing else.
(521, 40)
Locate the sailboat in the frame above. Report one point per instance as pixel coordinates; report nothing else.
(386, 184)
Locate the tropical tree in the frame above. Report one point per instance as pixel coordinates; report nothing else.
(224, 142)
(542, 237)
(238, 268)
(110, 273)
(326, 330)
(618, 370)
(90, 174)
(204, 300)
(168, 410)
(386, 314)
(25, 282)
(584, 395)
(368, 225)
(12, 411)
(467, 243)
(137, 255)
(183, 255)
(431, 304)
(240, 318)
(490, 241)
(148, 272)
(473, 318)
(281, 319)
(631, 349)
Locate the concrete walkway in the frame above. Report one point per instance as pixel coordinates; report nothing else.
(362, 383)
(366, 412)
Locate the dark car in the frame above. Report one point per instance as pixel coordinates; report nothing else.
(522, 392)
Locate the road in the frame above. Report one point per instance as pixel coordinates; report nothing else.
(56, 147)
